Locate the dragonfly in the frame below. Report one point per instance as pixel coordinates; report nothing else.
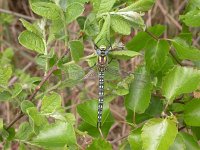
(103, 67)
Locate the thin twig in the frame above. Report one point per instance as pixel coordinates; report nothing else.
(165, 13)
(16, 14)
(119, 139)
(20, 114)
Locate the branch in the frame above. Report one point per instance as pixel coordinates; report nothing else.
(171, 52)
(21, 114)
(30, 98)
(16, 14)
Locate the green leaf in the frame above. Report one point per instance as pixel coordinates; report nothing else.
(124, 54)
(75, 75)
(192, 5)
(91, 26)
(73, 11)
(6, 56)
(120, 25)
(196, 132)
(190, 142)
(184, 51)
(127, 20)
(192, 113)
(191, 18)
(158, 134)
(24, 132)
(31, 41)
(102, 6)
(156, 54)
(5, 74)
(139, 92)
(92, 131)
(1, 124)
(16, 90)
(25, 105)
(178, 143)
(99, 144)
(88, 112)
(180, 80)
(135, 139)
(76, 49)
(47, 10)
(140, 5)
(139, 41)
(31, 27)
(50, 103)
(36, 119)
(56, 135)
(104, 35)
(5, 96)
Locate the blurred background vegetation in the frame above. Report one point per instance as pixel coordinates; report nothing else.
(165, 12)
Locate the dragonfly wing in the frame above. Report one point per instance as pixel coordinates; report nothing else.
(76, 78)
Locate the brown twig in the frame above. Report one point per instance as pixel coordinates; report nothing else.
(165, 13)
(21, 114)
(16, 14)
(30, 98)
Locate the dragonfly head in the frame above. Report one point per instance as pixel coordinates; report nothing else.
(102, 51)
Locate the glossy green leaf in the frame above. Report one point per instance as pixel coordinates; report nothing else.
(56, 135)
(139, 92)
(88, 112)
(178, 143)
(139, 41)
(120, 25)
(32, 41)
(73, 11)
(77, 49)
(50, 103)
(24, 132)
(190, 142)
(158, 134)
(124, 54)
(5, 75)
(191, 18)
(93, 131)
(192, 113)
(156, 54)
(25, 105)
(180, 80)
(135, 139)
(140, 5)
(104, 35)
(184, 51)
(99, 144)
(102, 6)
(47, 10)
(31, 27)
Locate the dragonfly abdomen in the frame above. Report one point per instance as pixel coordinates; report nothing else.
(101, 97)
